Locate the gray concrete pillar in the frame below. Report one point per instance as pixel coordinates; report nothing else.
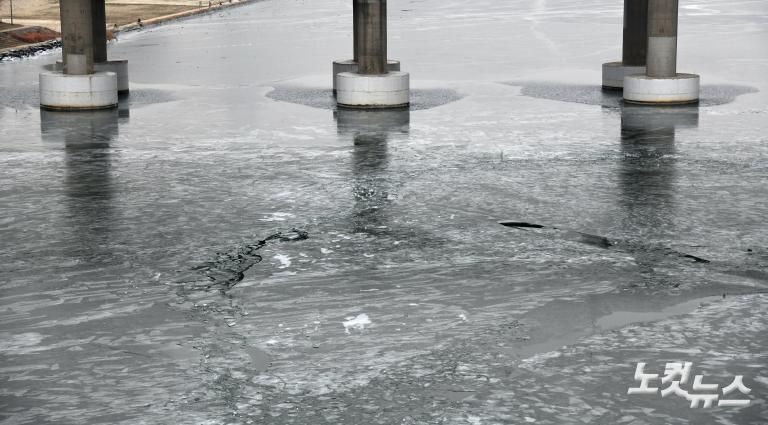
(662, 38)
(635, 38)
(99, 23)
(372, 42)
(355, 27)
(77, 36)
(372, 86)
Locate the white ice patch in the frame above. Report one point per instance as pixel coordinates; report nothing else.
(326, 250)
(540, 358)
(700, 10)
(285, 261)
(358, 322)
(278, 216)
(20, 343)
(463, 317)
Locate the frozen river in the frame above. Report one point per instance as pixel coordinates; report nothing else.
(139, 282)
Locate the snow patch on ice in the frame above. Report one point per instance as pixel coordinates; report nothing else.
(285, 261)
(359, 322)
(23, 343)
(278, 216)
(474, 420)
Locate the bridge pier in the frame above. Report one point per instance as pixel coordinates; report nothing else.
(100, 61)
(373, 84)
(350, 65)
(78, 86)
(661, 83)
(634, 46)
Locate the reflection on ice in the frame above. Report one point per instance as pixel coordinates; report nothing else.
(711, 95)
(647, 175)
(86, 138)
(647, 172)
(370, 131)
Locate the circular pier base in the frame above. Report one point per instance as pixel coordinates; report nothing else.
(78, 92)
(614, 73)
(390, 90)
(351, 66)
(119, 67)
(679, 90)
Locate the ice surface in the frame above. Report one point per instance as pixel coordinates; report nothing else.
(229, 135)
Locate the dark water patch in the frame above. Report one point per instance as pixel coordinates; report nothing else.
(432, 98)
(711, 95)
(323, 98)
(23, 96)
(227, 269)
(141, 97)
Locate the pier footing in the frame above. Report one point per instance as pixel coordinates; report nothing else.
(614, 73)
(678, 90)
(390, 90)
(66, 92)
(352, 66)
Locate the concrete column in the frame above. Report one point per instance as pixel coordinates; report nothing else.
(99, 23)
(355, 27)
(351, 65)
(372, 43)
(662, 84)
(78, 87)
(662, 38)
(373, 85)
(635, 38)
(634, 46)
(77, 36)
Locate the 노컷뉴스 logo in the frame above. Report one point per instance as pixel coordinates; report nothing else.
(677, 374)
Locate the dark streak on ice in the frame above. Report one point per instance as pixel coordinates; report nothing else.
(228, 268)
(601, 241)
(521, 224)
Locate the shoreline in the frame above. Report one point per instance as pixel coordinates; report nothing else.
(28, 50)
